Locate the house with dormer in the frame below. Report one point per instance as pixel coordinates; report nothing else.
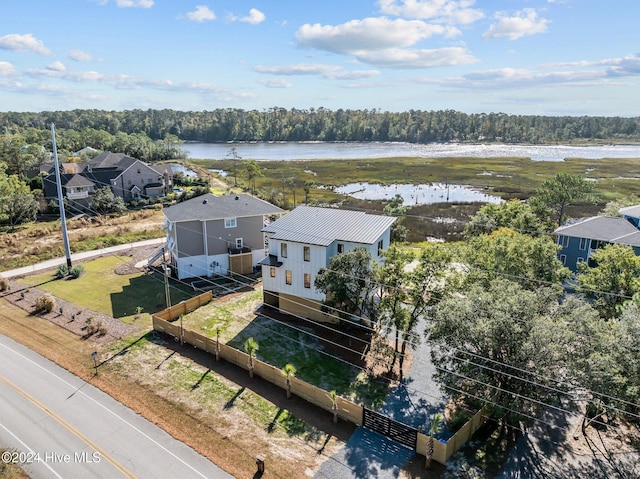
(209, 235)
(303, 242)
(127, 177)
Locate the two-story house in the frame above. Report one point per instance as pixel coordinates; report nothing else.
(304, 241)
(128, 178)
(578, 240)
(209, 234)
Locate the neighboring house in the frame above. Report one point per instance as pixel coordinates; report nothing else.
(304, 241)
(631, 214)
(128, 178)
(580, 239)
(209, 234)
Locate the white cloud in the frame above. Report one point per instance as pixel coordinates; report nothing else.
(7, 70)
(448, 11)
(417, 58)
(255, 16)
(134, 3)
(523, 23)
(276, 83)
(80, 56)
(56, 67)
(202, 13)
(59, 71)
(23, 43)
(367, 34)
(333, 72)
(627, 66)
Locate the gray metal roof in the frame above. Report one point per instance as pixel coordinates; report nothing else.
(323, 226)
(209, 207)
(631, 211)
(603, 228)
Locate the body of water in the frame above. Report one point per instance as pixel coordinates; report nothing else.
(423, 194)
(322, 150)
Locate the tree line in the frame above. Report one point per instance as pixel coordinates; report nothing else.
(321, 124)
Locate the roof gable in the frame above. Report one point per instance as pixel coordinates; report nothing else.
(209, 207)
(603, 228)
(323, 226)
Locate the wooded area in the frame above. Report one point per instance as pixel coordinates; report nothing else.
(321, 124)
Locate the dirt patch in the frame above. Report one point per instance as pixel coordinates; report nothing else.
(69, 316)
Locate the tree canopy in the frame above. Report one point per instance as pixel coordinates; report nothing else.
(555, 194)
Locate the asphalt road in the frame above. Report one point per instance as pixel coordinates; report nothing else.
(66, 428)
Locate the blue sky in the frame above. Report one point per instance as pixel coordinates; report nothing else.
(541, 57)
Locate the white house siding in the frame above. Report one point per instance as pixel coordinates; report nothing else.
(298, 267)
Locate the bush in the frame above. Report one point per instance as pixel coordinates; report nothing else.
(45, 303)
(4, 284)
(62, 271)
(97, 327)
(76, 271)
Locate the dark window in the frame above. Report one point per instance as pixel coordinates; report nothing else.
(340, 248)
(307, 253)
(583, 243)
(283, 250)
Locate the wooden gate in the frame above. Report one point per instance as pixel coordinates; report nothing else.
(405, 435)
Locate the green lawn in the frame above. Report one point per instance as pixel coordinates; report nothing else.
(280, 344)
(100, 289)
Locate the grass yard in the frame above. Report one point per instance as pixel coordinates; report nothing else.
(100, 289)
(236, 321)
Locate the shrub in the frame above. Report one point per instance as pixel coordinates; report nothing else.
(45, 303)
(62, 271)
(4, 284)
(76, 271)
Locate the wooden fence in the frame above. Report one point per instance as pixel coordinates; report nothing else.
(347, 410)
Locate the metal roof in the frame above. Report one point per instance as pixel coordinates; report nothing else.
(209, 207)
(603, 228)
(323, 226)
(631, 211)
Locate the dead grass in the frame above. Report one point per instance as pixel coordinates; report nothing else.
(213, 407)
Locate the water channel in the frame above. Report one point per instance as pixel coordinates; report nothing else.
(355, 150)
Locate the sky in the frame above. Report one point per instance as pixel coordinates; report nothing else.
(529, 57)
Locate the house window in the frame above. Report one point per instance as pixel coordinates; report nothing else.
(239, 243)
(307, 253)
(129, 182)
(583, 243)
(380, 247)
(138, 170)
(150, 180)
(283, 250)
(273, 272)
(563, 241)
(340, 248)
(307, 280)
(230, 223)
(563, 259)
(288, 277)
(580, 259)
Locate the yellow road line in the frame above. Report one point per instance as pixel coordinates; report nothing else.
(126, 472)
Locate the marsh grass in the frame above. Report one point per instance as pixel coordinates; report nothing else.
(507, 177)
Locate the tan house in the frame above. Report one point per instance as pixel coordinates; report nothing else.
(210, 235)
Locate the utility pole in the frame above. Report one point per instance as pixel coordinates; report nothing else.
(63, 219)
